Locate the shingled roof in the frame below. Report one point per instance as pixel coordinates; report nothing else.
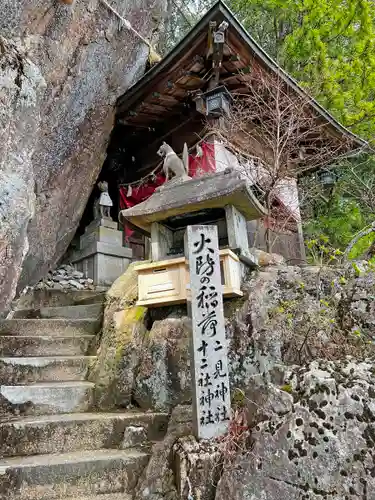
(164, 93)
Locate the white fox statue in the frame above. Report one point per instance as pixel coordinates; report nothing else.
(172, 163)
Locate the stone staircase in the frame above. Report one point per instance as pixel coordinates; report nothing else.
(52, 446)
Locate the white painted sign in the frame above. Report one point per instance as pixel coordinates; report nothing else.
(209, 367)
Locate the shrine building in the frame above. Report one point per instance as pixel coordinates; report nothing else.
(188, 97)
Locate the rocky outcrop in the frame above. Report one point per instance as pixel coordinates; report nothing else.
(157, 481)
(301, 360)
(21, 89)
(124, 328)
(143, 356)
(319, 445)
(62, 68)
(288, 316)
(163, 370)
(197, 467)
(294, 315)
(306, 387)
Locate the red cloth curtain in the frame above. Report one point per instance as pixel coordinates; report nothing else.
(137, 194)
(201, 165)
(198, 165)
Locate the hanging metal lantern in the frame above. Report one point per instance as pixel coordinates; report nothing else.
(327, 178)
(215, 102)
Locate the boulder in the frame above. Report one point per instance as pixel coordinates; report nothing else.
(197, 467)
(124, 327)
(143, 357)
(63, 65)
(163, 372)
(157, 481)
(321, 448)
(22, 86)
(262, 399)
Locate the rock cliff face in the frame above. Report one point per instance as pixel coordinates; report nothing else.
(62, 68)
(288, 316)
(319, 445)
(302, 374)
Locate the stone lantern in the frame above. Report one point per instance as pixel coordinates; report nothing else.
(224, 199)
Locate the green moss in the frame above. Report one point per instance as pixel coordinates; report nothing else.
(122, 328)
(287, 388)
(130, 316)
(139, 312)
(238, 398)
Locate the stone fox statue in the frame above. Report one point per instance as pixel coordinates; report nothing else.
(172, 163)
(103, 204)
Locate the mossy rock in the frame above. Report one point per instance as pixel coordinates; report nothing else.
(118, 357)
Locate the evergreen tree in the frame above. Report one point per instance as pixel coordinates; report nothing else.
(182, 16)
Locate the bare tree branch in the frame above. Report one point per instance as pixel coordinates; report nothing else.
(279, 137)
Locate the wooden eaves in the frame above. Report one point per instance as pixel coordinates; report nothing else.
(165, 91)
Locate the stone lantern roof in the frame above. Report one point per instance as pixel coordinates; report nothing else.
(174, 203)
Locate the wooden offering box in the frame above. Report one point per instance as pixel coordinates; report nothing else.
(167, 282)
(161, 283)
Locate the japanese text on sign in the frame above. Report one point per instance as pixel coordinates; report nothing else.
(209, 350)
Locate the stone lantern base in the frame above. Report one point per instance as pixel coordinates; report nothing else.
(102, 256)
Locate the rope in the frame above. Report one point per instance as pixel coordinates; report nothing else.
(154, 56)
(142, 180)
(138, 183)
(159, 166)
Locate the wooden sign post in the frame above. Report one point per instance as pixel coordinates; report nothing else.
(209, 367)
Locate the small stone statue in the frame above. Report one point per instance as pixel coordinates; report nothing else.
(102, 207)
(172, 163)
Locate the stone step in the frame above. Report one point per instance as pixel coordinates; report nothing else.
(56, 476)
(74, 432)
(95, 298)
(54, 298)
(74, 312)
(44, 346)
(25, 370)
(50, 327)
(46, 398)
(64, 312)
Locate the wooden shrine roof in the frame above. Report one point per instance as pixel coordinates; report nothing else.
(163, 98)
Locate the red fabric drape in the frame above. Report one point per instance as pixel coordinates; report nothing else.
(137, 195)
(198, 165)
(205, 164)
